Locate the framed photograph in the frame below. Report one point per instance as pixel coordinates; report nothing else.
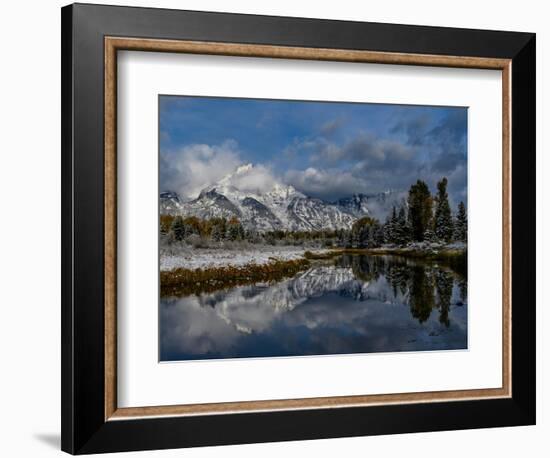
(281, 228)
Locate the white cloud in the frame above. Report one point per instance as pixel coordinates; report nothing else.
(256, 179)
(334, 172)
(193, 167)
(324, 183)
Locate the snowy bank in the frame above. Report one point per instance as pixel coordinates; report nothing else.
(201, 258)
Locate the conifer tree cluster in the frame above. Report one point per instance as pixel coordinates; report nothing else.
(216, 229)
(367, 233)
(235, 230)
(397, 229)
(426, 218)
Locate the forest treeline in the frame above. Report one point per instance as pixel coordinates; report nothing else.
(422, 217)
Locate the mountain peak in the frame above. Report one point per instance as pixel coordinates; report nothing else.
(243, 168)
(170, 195)
(257, 181)
(237, 173)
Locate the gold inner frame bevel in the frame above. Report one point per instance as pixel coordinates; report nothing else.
(112, 45)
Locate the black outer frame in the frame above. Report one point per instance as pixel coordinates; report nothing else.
(84, 429)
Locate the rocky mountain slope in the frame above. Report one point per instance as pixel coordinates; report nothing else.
(280, 208)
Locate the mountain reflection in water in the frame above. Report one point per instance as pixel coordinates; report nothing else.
(358, 304)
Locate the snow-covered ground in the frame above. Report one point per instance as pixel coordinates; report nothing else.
(200, 258)
(195, 258)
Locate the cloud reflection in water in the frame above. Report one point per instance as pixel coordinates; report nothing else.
(359, 305)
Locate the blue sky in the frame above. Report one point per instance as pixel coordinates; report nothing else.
(324, 149)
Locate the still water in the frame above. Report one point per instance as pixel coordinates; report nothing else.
(353, 304)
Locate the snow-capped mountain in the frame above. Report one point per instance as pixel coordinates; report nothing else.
(169, 203)
(280, 207)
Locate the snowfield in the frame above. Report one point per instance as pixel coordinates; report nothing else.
(201, 258)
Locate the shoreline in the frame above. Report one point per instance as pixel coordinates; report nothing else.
(240, 256)
(193, 281)
(234, 256)
(410, 252)
(209, 278)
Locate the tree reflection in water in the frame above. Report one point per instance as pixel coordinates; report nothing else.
(424, 285)
(352, 304)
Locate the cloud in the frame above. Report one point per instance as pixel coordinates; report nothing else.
(415, 147)
(324, 184)
(191, 168)
(254, 179)
(329, 128)
(364, 148)
(365, 163)
(451, 130)
(457, 187)
(378, 152)
(333, 183)
(414, 129)
(331, 167)
(444, 140)
(237, 322)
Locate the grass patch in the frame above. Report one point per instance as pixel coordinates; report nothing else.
(181, 281)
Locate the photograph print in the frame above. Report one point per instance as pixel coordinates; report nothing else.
(300, 228)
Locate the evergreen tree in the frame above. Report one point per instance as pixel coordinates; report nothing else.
(386, 230)
(402, 229)
(235, 230)
(375, 236)
(357, 239)
(349, 240)
(215, 228)
(346, 240)
(378, 235)
(443, 221)
(241, 232)
(232, 232)
(461, 224)
(429, 236)
(189, 229)
(269, 239)
(420, 209)
(217, 233)
(178, 228)
(367, 233)
(341, 238)
(390, 227)
(251, 236)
